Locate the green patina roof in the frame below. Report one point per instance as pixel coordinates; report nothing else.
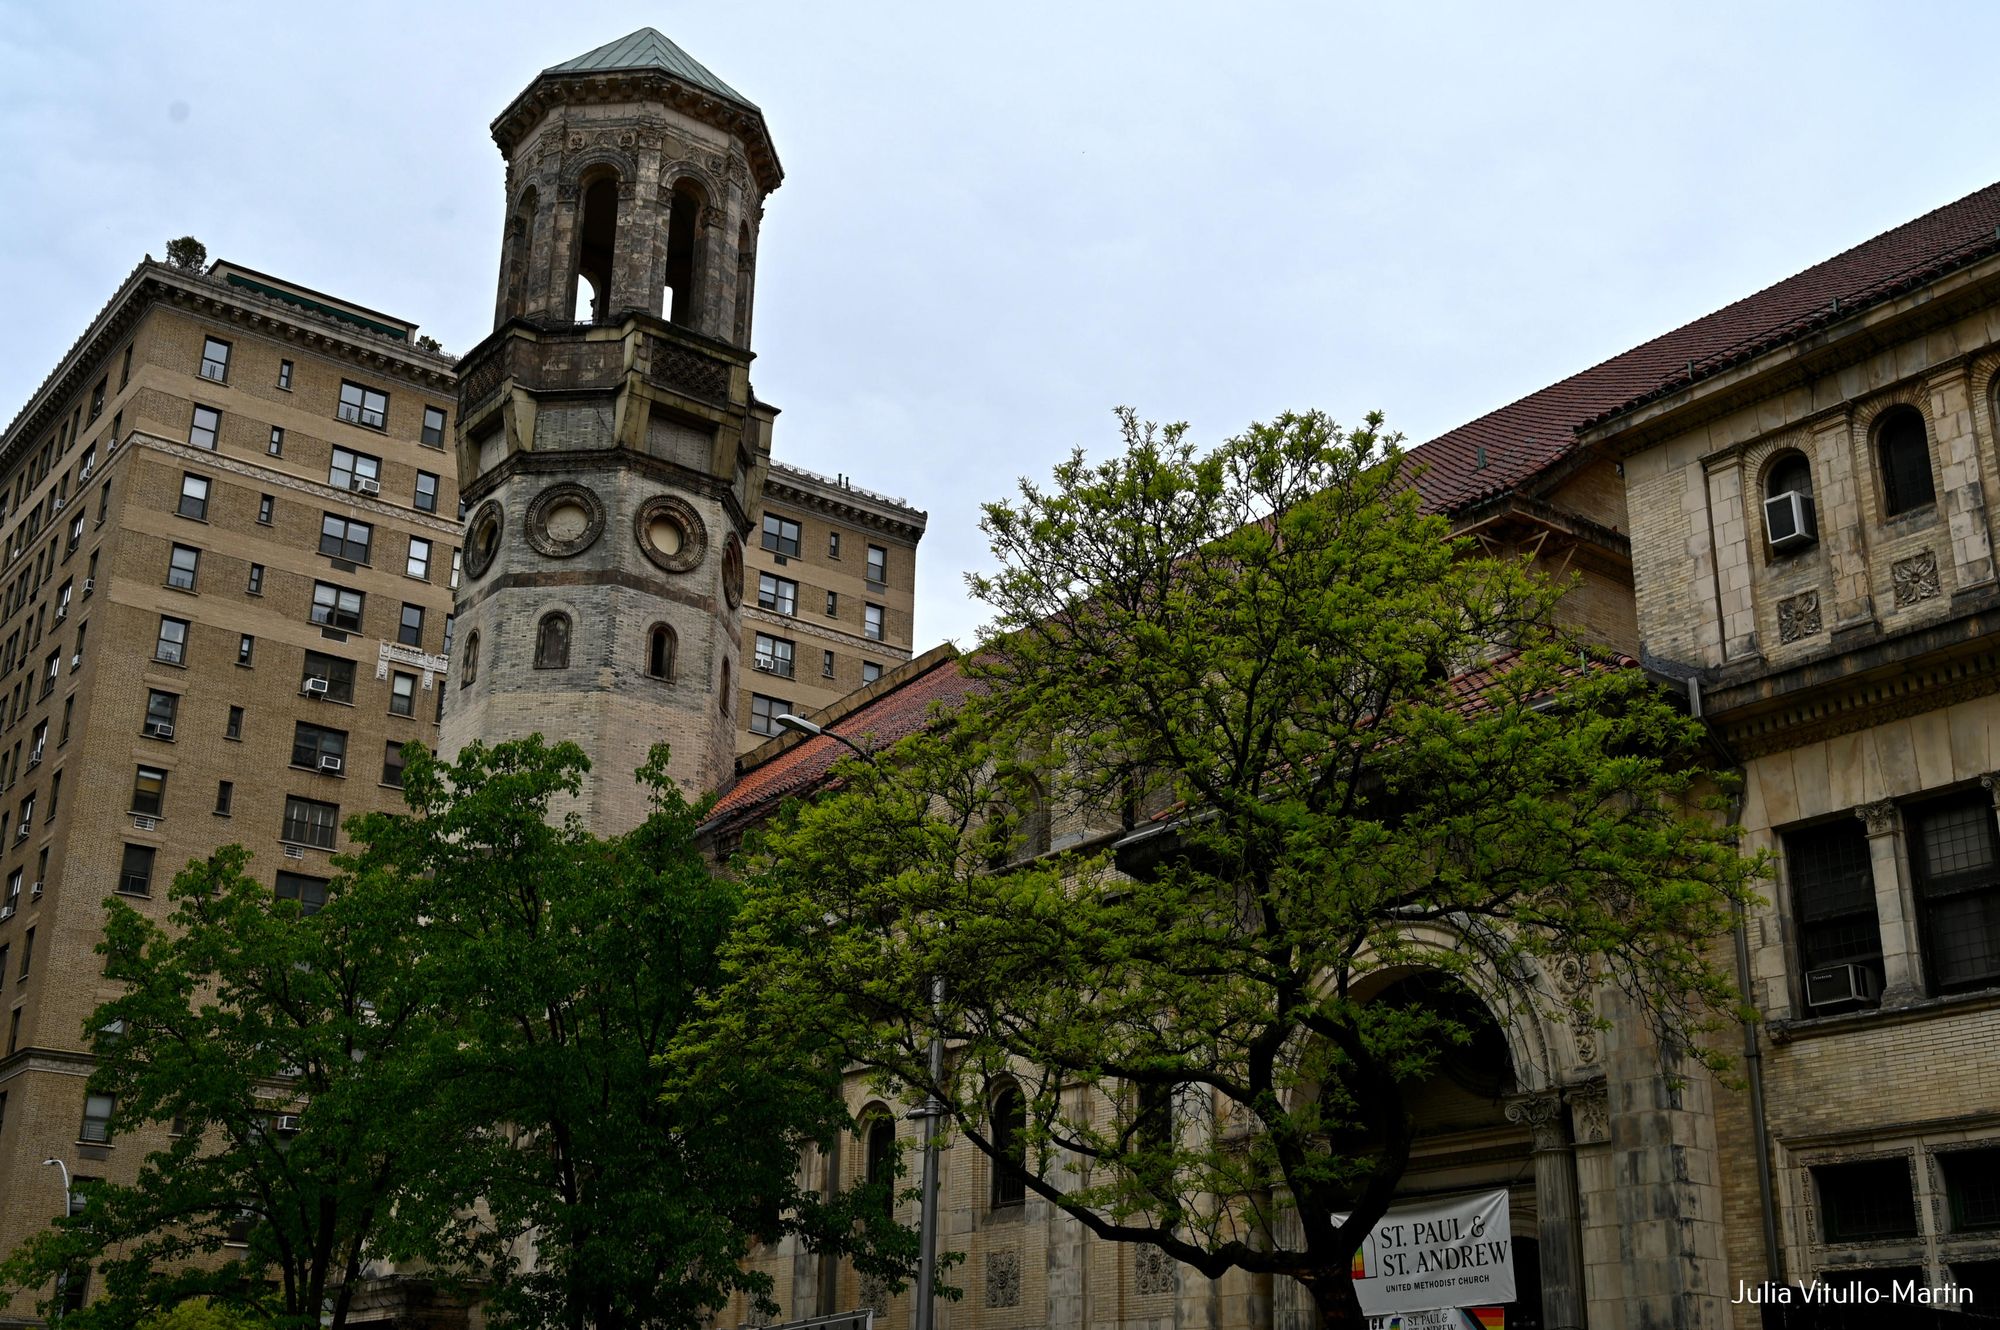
(648, 48)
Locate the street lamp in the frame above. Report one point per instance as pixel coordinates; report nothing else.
(62, 1276)
(929, 1112)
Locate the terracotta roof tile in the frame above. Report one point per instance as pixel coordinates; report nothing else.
(1504, 448)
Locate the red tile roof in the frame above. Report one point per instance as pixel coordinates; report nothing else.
(894, 715)
(1509, 446)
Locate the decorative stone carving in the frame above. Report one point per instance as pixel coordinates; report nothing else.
(1590, 1112)
(1798, 617)
(482, 539)
(1915, 578)
(1152, 1271)
(875, 1294)
(1991, 784)
(1879, 816)
(732, 571)
(1572, 979)
(1003, 1279)
(565, 520)
(1542, 1115)
(670, 533)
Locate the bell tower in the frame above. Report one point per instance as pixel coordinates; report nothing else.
(610, 449)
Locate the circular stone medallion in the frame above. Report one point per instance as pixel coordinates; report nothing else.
(670, 533)
(565, 520)
(482, 540)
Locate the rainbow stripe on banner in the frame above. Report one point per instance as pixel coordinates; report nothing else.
(1444, 1318)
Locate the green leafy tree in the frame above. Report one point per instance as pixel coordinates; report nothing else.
(187, 252)
(1267, 645)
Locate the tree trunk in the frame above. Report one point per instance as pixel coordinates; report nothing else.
(1339, 1306)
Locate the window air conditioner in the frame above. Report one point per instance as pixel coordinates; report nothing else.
(84, 474)
(766, 664)
(329, 762)
(89, 585)
(1790, 521)
(22, 834)
(314, 688)
(35, 758)
(142, 822)
(159, 729)
(6, 912)
(295, 852)
(1841, 985)
(76, 660)
(289, 1122)
(364, 485)
(35, 892)
(60, 501)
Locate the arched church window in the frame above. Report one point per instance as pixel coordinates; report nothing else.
(684, 231)
(596, 248)
(1009, 1134)
(880, 1156)
(520, 251)
(1903, 450)
(552, 642)
(1789, 519)
(660, 652)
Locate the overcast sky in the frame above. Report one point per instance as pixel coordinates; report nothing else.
(998, 222)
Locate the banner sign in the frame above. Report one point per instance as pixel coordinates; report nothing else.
(1444, 1318)
(1454, 1252)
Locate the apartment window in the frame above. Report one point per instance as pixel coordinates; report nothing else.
(135, 873)
(450, 625)
(246, 648)
(1833, 891)
(234, 728)
(402, 694)
(88, 462)
(285, 375)
(170, 647)
(775, 655)
(426, 499)
(392, 764)
(878, 564)
(871, 622)
(418, 565)
(1972, 1181)
(75, 536)
(69, 709)
(97, 1111)
(552, 642)
(1869, 1201)
(870, 671)
(63, 595)
(660, 652)
(149, 791)
(410, 630)
(161, 711)
(214, 359)
(336, 672)
(309, 892)
(181, 566)
(256, 584)
(344, 538)
(309, 822)
(1958, 889)
(826, 664)
(40, 743)
(833, 604)
(13, 1020)
(1008, 1123)
(206, 425)
(1903, 449)
(225, 797)
(364, 406)
(434, 426)
(313, 745)
(833, 544)
(51, 670)
(777, 593)
(349, 468)
(13, 901)
(781, 535)
(276, 447)
(764, 713)
(265, 504)
(457, 567)
(194, 496)
(336, 607)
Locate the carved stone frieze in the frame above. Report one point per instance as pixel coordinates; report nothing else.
(1915, 578)
(1542, 1115)
(1590, 1112)
(1003, 1278)
(1799, 617)
(1152, 1271)
(1880, 816)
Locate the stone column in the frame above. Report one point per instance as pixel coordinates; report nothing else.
(1902, 973)
(1962, 498)
(1555, 1207)
(1729, 531)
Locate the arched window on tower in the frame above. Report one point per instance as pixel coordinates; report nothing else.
(1009, 1133)
(1789, 519)
(552, 642)
(684, 230)
(468, 668)
(520, 251)
(660, 652)
(596, 249)
(880, 1158)
(1904, 450)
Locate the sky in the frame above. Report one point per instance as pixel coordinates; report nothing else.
(1000, 222)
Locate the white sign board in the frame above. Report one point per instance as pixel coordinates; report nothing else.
(1443, 1318)
(1457, 1251)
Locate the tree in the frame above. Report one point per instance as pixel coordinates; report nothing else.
(1372, 752)
(452, 1062)
(575, 964)
(289, 1065)
(188, 253)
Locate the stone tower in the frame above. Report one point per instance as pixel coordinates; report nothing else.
(610, 450)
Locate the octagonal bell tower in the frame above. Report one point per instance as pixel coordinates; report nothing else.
(610, 449)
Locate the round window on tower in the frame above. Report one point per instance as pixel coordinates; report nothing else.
(565, 520)
(670, 533)
(482, 541)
